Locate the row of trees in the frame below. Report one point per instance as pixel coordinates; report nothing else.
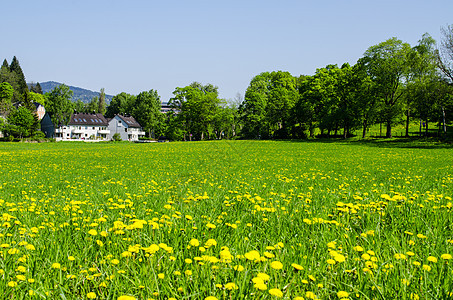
(392, 83)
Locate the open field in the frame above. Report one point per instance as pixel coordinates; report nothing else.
(228, 219)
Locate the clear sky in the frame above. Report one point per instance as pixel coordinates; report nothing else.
(132, 46)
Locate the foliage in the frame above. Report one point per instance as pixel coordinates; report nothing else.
(6, 95)
(101, 108)
(35, 88)
(147, 111)
(116, 137)
(92, 106)
(444, 54)
(39, 98)
(22, 122)
(121, 104)
(196, 107)
(59, 105)
(387, 65)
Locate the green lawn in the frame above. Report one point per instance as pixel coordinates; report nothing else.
(228, 219)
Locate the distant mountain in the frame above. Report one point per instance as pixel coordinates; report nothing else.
(83, 94)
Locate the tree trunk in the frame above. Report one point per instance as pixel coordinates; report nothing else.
(443, 121)
(389, 130)
(420, 129)
(345, 131)
(364, 128)
(407, 122)
(426, 127)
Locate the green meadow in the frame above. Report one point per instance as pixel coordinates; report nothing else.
(226, 220)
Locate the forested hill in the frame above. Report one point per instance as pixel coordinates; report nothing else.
(85, 95)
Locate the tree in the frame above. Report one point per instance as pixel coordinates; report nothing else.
(92, 106)
(423, 75)
(23, 122)
(122, 103)
(20, 77)
(147, 111)
(38, 98)
(282, 97)
(6, 95)
(197, 106)
(36, 88)
(4, 72)
(253, 109)
(11, 77)
(59, 105)
(387, 65)
(79, 106)
(444, 54)
(101, 108)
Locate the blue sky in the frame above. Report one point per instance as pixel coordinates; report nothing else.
(133, 46)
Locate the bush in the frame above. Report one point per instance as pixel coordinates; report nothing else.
(116, 137)
(38, 135)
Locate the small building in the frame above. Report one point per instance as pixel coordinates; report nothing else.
(40, 111)
(127, 127)
(82, 126)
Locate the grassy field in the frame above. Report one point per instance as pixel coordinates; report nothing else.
(226, 220)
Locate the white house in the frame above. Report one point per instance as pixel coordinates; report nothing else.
(128, 128)
(81, 127)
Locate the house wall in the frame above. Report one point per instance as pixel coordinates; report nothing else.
(47, 126)
(83, 132)
(116, 125)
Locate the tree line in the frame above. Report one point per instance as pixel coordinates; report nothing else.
(393, 83)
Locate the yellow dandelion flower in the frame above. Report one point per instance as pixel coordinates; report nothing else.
(342, 294)
(126, 297)
(432, 259)
(210, 226)
(276, 265)
(310, 295)
(263, 276)
(446, 256)
(339, 258)
(276, 292)
(260, 286)
(358, 248)
(238, 268)
(231, 286)
(426, 268)
(194, 242)
(56, 266)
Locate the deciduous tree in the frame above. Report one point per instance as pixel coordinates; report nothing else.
(387, 65)
(59, 105)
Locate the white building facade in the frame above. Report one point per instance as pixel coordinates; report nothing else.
(127, 127)
(84, 127)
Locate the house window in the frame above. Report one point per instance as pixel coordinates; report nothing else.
(125, 129)
(93, 128)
